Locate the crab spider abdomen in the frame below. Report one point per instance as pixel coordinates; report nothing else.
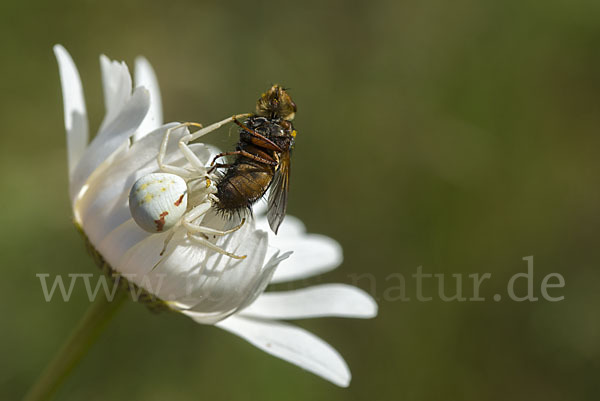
(157, 201)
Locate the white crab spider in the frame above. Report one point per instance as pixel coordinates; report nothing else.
(159, 201)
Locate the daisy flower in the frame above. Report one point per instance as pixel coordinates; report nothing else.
(191, 278)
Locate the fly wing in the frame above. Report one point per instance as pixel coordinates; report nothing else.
(278, 196)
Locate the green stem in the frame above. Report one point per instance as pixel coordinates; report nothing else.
(99, 313)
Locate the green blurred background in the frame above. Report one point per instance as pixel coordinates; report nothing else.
(460, 136)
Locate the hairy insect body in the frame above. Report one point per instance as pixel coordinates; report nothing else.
(247, 180)
(262, 159)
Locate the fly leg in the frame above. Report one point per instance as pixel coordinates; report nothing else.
(245, 154)
(258, 139)
(218, 165)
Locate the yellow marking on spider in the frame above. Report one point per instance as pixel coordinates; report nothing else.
(148, 197)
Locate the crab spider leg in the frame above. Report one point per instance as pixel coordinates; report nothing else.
(196, 228)
(187, 152)
(168, 239)
(203, 131)
(215, 248)
(167, 168)
(191, 215)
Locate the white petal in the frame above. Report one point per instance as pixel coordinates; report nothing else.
(210, 285)
(218, 283)
(312, 253)
(110, 138)
(293, 227)
(323, 300)
(76, 122)
(144, 76)
(207, 315)
(267, 273)
(292, 344)
(260, 208)
(116, 83)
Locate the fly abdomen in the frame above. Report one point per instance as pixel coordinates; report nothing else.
(242, 185)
